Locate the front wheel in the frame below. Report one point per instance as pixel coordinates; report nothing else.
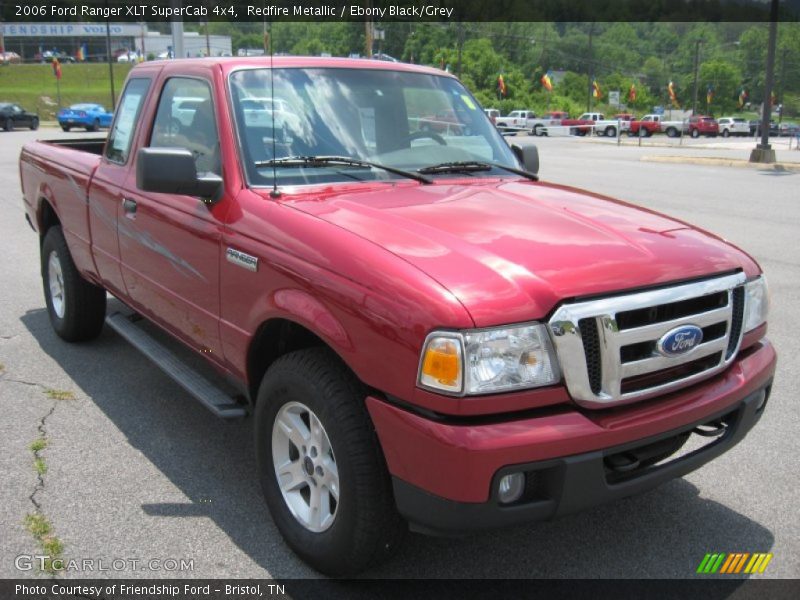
(94, 126)
(321, 467)
(65, 127)
(34, 123)
(672, 132)
(8, 125)
(77, 308)
(695, 133)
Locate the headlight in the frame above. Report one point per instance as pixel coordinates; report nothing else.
(488, 361)
(756, 303)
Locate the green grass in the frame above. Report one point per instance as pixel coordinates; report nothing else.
(40, 528)
(59, 394)
(40, 466)
(38, 444)
(34, 86)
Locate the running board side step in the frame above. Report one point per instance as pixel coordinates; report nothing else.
(210, 396)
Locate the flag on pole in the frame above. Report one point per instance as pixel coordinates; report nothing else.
(596, 92)
(632, 93)
(743, 95)
(56, 68)
(709, 94)
(673, 98)
(80, 55)
(547, 82)
(502, 90)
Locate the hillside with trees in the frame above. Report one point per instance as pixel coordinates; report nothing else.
(647, 56)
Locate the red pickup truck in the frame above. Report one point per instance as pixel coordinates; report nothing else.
(423, 333)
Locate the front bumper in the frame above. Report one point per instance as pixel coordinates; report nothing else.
(445, 473)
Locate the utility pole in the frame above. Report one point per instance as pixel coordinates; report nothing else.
(696, 69)
(368, 25)
(590, 70)
(110, 65)
(763, 152)
(460, 46)
(208, 42)
(783, 79)
(177, 31)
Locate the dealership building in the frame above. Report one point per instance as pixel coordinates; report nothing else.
(31, 40)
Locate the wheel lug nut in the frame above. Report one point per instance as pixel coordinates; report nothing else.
(319, 471)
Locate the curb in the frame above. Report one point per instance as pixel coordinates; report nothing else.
(723, 162)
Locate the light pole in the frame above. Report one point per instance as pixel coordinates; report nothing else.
(763, 152)
(696, 69)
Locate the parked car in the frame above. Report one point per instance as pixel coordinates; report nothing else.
(49, 55)
(701, 125)
(755, 127)
(788, 129)
(87, 115)
(13, 115)
(424, 334)
(733, 126)
(542, 125)
(10, 58)
(493, 114)
(128, 57)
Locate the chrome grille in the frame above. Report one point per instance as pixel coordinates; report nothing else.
(607, 346)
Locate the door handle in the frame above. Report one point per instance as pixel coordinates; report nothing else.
(129, 206)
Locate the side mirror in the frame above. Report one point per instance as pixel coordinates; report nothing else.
(173, 171)
(528, 156)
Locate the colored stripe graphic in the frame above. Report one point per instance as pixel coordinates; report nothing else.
(733, 563)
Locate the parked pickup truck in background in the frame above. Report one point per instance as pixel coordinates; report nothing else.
(516, 119)
(654, 123)
(593, 122)
(424, 334)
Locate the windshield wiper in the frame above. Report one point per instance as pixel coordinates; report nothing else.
(324, 161)
(469, 166)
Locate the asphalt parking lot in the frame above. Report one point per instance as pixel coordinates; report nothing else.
(137, 469)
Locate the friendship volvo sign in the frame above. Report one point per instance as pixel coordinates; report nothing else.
(38, 30)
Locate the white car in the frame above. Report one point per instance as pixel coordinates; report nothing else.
(733, 126)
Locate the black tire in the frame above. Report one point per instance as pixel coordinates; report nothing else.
(367, 527)
(8, 125)
(672, 132)
(94, 126)
(695, 133)
(34, 123)
(537, 130)
(65, 127)
(84, 304)
(611, 131)
(725, 133)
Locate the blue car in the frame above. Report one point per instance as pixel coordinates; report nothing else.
(89, 116)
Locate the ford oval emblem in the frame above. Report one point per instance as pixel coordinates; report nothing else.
(680, 340)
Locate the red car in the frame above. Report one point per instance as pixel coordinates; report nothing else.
(424, 333)
(701, 125)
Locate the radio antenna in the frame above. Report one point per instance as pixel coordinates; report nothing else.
(274, 193)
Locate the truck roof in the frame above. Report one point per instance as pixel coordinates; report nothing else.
(228, 64)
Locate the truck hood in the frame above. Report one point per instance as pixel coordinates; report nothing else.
(511, 250)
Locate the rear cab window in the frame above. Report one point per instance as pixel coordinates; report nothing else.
(122, 131)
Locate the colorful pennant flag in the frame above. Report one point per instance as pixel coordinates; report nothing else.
(502, 90)
(709, 94)
(547, 82)
(596, 92)
(632, 93)
(743, 95)
(673, 98)
(56, 68)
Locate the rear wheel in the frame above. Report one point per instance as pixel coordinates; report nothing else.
(672, 132)
(725, 133)
(77, 308)
(537, 130)
(66, 127)
(94, 126)
(34, 123)
(611, 131)
(321, 467)
(8, 125)
(695, 133)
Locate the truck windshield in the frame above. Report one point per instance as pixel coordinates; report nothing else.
(407, 121)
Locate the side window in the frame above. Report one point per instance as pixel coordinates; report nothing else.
(185, 119)
(130, 105)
